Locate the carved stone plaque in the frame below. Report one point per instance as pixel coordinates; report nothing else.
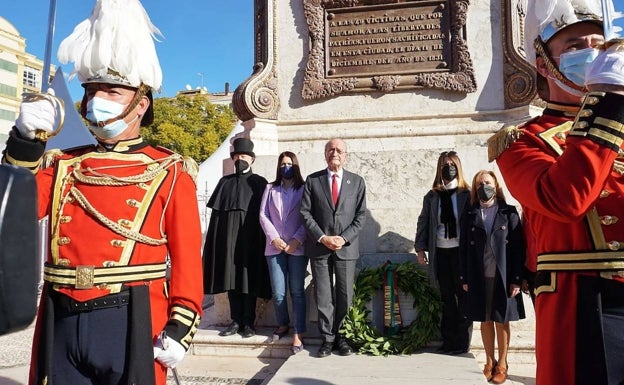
(407, 38)
(385, 45)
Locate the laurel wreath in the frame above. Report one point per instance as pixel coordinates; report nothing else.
(356, 326)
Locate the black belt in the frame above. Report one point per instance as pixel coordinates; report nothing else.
(70, 305)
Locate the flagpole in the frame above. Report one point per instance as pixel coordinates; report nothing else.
(45, 81)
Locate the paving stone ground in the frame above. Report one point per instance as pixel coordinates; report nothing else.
(241, 368)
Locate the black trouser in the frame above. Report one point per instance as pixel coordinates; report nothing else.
(600, 331)
(455, 327)
(242, 308)
(90, 347)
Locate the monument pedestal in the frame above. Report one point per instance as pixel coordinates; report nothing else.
(320, 74)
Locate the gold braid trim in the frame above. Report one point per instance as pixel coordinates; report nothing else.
(500, 141)
(100, 179)
(33, 167)
(618, 166)
(135, 236)
(188, 318)
(153, 170)
(189, 165)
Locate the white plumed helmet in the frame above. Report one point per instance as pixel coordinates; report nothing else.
(544, 18)
(114, 45)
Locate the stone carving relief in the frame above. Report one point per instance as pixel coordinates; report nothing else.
(386, 45)
(258, 97)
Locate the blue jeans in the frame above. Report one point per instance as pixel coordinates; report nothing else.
(284, 267)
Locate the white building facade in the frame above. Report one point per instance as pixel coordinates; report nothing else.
(19, 72)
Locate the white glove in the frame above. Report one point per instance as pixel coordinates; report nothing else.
(168, 352)
(607, 68)
(35, 115)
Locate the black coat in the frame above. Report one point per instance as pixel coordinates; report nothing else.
(509, 250)
(234, 248)
(427, 227)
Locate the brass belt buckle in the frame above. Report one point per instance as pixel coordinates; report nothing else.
(84, 276)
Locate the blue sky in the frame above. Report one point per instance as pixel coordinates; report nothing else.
(618, 21)
(209, 37)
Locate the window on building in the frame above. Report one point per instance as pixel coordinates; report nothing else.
(7, 115)
(32, 77)
(8, 66)
(8, 90)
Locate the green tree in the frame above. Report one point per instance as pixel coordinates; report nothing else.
(189, 125)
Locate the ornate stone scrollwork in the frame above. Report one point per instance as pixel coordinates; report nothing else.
(386, 83)
(462, 77)
(316, 86)
(264, 97)
(519, 76)
(258, 96)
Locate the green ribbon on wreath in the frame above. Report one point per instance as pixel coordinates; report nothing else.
(392, 310)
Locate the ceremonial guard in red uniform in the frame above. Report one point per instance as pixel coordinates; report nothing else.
(112, 310)
(565, 169)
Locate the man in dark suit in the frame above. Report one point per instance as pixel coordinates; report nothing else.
(334, 212)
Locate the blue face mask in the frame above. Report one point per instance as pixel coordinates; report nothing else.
(287, 172)
(100, 110)
(573, 64)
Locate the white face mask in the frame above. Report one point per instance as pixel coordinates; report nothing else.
(111, 130)
(573, 64)
(101, 110)
(567, 89)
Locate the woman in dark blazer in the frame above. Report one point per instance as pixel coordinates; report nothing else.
(492, 251)
(437, 234)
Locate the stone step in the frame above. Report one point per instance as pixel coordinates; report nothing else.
(521, 345)
(262, 345)
(207, 342)
(520, 338)
(522, 341)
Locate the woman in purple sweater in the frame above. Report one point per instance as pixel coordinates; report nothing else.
(285, 232)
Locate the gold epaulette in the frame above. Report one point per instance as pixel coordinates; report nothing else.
(191, 167)
(49, 157)
(500, 141)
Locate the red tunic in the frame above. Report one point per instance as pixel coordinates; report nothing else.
(565, 184)
(133, 205)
